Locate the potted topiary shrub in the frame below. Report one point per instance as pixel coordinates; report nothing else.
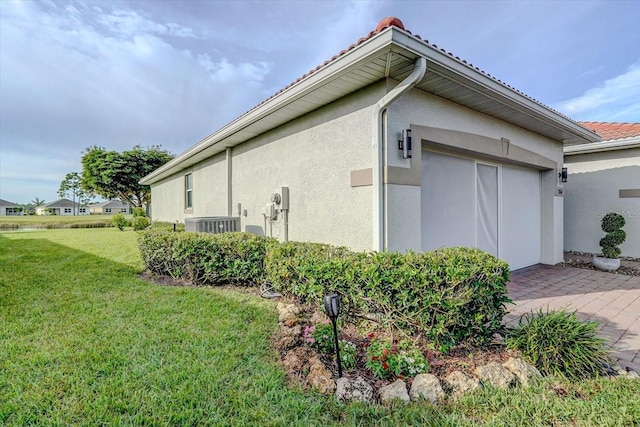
(612, 224)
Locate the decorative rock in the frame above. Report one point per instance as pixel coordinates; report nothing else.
(525, 373)
(496, 375)
(290, 337)
(319, 377)
(288, 313)
(318, 317)
(426, 387)
(394, 391)
(458, 383)
(353, 391)
(296, 360)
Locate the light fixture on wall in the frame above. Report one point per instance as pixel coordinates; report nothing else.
(404, 144)
(563, 175)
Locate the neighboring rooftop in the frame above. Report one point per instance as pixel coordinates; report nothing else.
(609, 131)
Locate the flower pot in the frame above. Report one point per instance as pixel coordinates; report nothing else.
(607, 264)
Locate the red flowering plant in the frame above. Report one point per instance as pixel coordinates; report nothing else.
(386, 361)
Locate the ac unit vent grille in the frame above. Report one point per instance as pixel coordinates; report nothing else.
(213, 224)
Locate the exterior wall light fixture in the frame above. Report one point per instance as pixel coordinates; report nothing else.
(332, 309)
(563, 175)
(405, 144)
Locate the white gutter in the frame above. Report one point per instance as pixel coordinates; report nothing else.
(377, 146)
(616, 144)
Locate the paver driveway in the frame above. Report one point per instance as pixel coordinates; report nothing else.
(613, 300)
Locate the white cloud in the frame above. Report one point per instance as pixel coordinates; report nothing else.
(75, 76)
(616, 99)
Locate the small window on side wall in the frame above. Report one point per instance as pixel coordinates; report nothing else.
(188, 190)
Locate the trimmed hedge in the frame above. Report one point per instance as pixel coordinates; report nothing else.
(448, 296)
(204, 259)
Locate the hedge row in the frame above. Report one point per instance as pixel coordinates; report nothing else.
(204, 259)
(448, 296)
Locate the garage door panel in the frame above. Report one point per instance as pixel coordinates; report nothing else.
(496, 208)
(521, 217)
(447, 199)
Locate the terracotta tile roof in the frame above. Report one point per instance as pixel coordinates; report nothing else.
(392, 21)
(613, 130)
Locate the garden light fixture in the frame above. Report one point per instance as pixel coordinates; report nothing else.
(332, 309)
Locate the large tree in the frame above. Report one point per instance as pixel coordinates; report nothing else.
(115, 175)
(71, 186)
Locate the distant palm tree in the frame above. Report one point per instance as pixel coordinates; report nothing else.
(37, 202)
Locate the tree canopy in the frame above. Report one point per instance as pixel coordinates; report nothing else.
(115, 175)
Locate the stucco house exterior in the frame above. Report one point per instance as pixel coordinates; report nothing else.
(9, 208)
(603, 177)
(321, 159)
(62, 207)
(110, 207)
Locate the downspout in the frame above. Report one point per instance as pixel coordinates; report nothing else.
(377, 146)
(229, 187)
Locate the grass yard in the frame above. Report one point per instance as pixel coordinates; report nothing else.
(83, 341)
(28, 222)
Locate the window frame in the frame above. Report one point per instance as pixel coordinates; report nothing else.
(188, 192)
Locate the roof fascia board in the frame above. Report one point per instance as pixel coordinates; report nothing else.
(616, 144)
(463, 74)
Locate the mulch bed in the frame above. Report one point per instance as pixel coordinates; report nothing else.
(582, 260)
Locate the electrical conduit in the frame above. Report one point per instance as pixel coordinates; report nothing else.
(377, 146)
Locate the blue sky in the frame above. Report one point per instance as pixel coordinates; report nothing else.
(120, 73)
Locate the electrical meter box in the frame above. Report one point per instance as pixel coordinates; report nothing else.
(280, 197)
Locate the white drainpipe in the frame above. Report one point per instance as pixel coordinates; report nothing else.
(377, 146)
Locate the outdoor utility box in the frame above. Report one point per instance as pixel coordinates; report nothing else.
(212, 224)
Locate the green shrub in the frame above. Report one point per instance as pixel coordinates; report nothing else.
(139, 212)
(449, 295)
(320, 337)
(119, 221)
(612, 224)
(386, 361)
(92, 224)
(557, 343)
(348, 353)
(204, 259)
(140, 222)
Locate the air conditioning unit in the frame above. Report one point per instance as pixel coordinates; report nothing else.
(212, 224)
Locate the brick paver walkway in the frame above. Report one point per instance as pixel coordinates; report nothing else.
(613, 300)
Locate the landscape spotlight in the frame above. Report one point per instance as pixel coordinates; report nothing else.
(332, 308)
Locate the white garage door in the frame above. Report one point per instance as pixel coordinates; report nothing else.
(471, 203)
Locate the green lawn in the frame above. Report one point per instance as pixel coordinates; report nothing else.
(83, 341)
(47, 219)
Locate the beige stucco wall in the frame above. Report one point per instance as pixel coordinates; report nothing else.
(313, 156)
(167, 199)
(423, 109)
(592, 190)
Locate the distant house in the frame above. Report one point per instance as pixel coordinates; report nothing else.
(9, 209)
(392, 144)
(603, 177)
(110, 207)
(62, 207)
